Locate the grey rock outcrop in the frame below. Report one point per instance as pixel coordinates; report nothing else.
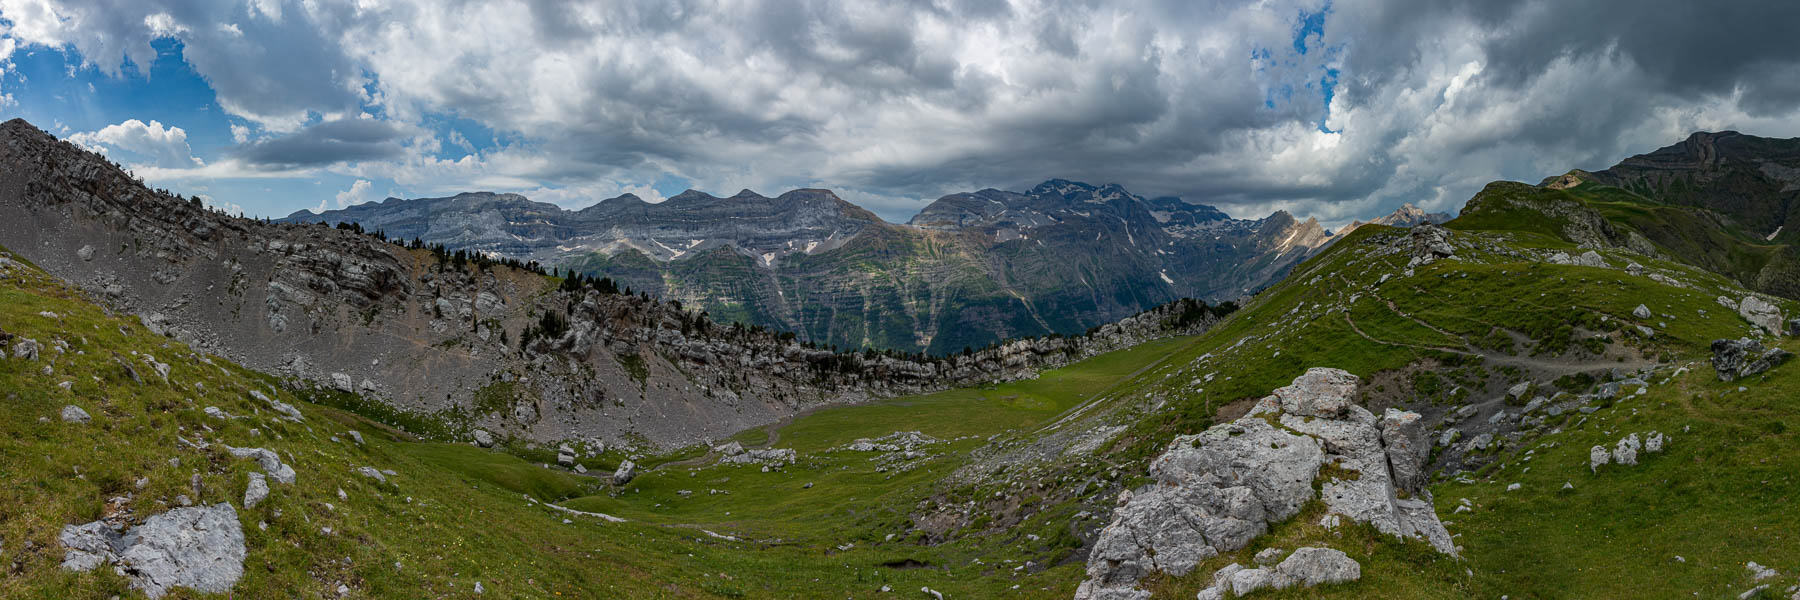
(1761, 313)
(1320, 566)
(269, 460)
(371, 473)
(1641, 312)
(1216, 491)
(287, 410)
(256, 490)
(200, 548)
(484, 439)
(1306, 567)
(88, 545)
(1408, 447)
(1734, 359)
(1429, 243)
(1626, 452)
(25, 348)
(74, 414)
(767, 456)
(1585, 259)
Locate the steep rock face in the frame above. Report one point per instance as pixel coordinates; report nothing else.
(969, 270)
(1754, 181)
(1217, 491)
(1721, 201)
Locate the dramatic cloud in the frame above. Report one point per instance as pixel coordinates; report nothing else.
(344, 140)
(1338, 109)
(165, 147)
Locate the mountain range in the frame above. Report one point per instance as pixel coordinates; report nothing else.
(968, 270)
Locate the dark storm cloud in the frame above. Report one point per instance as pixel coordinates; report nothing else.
(329, 142)
(1342, 108)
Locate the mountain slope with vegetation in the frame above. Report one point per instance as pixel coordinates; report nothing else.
(1542, 339)
(968, 271)
(458, 341)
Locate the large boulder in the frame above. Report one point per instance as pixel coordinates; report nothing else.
(256, 490)
(199, 547)
(1216, 491)
(1320, 566)
(1324, 393)
(1744, 357)
(1761, 313)
(484, 439)
(342, 382)
(74, 414)
(626, 471)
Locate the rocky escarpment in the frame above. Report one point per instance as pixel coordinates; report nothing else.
(1752, 180)
(1216, 491)
(445, 335)
(1573, 220)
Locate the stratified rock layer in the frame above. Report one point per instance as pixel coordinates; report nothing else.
(1218, 490)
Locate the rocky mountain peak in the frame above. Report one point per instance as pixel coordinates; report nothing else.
(1060, 187)
(1407, 215)
(691, 195)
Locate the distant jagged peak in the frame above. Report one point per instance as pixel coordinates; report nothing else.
(1407, 215)
(1061, 187)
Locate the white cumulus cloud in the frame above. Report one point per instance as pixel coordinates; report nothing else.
(357, 194)
(165, 147)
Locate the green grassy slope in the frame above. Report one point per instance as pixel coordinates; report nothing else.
(1718, 497)
(454, 514)
(1449, 333)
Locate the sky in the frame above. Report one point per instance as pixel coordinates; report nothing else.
(1335, 109)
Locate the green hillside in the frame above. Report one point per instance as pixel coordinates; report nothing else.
(1024, 472)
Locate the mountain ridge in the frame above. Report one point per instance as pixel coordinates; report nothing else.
(968, 270)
